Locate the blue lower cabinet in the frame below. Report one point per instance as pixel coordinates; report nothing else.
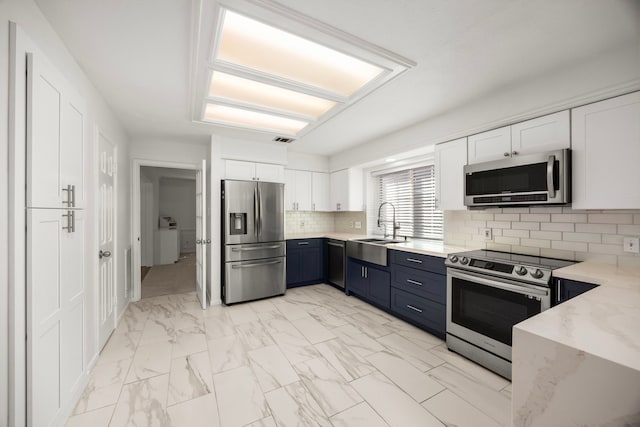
(570, 288)
(369, 282)
(422, 283)
(356, 281)
(305, 262)
(423, 312)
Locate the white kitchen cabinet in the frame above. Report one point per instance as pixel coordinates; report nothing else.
(450, 158)
(320, 192)
(347, 190)
(546, 133)
(55, 315)
(606, 154)
(251, 171)
(297, 190)
(491, 145)
(55, 139)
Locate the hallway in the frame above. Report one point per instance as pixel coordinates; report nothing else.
(170, 279)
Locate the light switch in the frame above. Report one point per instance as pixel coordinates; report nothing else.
(632, 244)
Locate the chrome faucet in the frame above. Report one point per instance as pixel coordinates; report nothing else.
(396, 226)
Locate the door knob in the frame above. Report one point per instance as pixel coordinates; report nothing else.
(104, 254)
(198, 242)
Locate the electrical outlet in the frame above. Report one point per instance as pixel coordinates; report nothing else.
(301, 224)
(351, 224)
(486, 233)
(632, 244)
(358, 224)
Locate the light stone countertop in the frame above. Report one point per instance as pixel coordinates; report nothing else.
(601, 274)
(578, 363)
(418, 246)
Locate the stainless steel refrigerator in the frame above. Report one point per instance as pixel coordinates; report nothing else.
(253, 253)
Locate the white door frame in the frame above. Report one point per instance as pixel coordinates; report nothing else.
(136, 252)
(95, 261)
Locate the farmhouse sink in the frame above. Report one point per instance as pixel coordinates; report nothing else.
(372, 250)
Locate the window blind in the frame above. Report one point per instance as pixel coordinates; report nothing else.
(413, 193)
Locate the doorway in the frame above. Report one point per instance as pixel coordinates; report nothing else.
(168, 230)
(168, 208)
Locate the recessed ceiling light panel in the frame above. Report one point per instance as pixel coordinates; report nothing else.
(252, 44)
(257, 120)
(247, 91)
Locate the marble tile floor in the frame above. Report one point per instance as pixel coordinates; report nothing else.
(168, 279)
(313, 357)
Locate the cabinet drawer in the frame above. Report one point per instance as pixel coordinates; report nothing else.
(303, 243)
(422, 283)
(421, 310)
(422, 262)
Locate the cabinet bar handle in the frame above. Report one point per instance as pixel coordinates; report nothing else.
(417, 261)
(414, 308)
(361, 271)
(366, 272)
(414, 282)
(303, 243)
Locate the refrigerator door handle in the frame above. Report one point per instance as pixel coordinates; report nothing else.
(255, 210)
(259, 213)
(255, 248)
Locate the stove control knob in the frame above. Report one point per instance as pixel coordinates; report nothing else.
(453, 258)
(521, 271)
(537, 274)
(464, 260)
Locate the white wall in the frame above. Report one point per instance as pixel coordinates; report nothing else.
(307, 162)
(27, 15)
(170, 150)
(612, 73)
(178, 200)
(241, 149)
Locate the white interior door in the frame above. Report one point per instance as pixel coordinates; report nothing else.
(201, 234)
(106, 288)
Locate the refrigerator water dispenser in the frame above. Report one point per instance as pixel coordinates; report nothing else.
(238, 222)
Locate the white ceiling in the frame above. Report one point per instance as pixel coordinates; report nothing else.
(137, 53)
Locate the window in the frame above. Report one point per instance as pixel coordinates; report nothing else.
(412, 192)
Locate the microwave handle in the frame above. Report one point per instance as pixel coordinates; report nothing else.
(550, 187)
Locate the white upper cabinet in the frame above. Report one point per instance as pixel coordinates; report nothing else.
(250, 171)
(547, 133)
(297, 190)
(56, 139)
(492, 145)
(450, 159)
(347, 190)
(606, 154)
(320, 192)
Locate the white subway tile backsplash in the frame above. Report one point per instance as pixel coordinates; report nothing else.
(515, 233)
(611, 218)
(525, 225)
(506, 217)
(596, 228)
(546, 209)
(498, 224)
(557, 226)
(599, 248)
(612, 239)
(556, 232)
(566, 217)
(536, 243)
(629, 230)
(582, 237)
(536, 217)
(507, 240)
(548, 235)
(570, 246)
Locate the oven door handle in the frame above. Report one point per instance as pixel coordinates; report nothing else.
(523, 288)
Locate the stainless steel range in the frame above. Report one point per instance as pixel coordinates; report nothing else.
(488, 292)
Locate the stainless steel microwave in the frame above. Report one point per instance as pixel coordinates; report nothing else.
(532, 179)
